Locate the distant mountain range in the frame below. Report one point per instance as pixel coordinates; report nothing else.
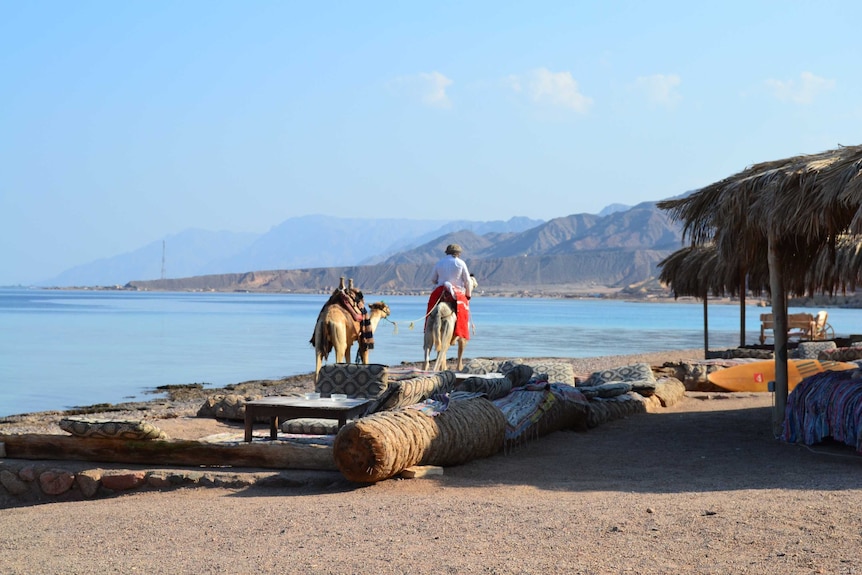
(310, 254)
(308, 241)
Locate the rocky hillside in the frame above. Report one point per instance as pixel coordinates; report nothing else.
(579, 253)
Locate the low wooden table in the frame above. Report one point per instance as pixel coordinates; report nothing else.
(282, 408)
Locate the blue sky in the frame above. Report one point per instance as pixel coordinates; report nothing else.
(125, 122)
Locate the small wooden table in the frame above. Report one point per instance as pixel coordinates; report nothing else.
(279, 408)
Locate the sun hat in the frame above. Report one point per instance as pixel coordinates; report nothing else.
(453, 249)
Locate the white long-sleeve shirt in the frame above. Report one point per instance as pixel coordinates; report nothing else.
(454, 270)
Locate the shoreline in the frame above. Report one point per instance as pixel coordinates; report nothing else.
(527, 292)
(184, 399)
(631, 294)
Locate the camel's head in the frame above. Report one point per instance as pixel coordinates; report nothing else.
(382, 307)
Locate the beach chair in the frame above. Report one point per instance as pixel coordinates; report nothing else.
(822, 329)
(799, 326)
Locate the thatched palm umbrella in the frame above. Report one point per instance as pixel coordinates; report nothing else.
(698, 271)
(794, 207)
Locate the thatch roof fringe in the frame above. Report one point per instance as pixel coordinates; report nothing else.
(807, 203)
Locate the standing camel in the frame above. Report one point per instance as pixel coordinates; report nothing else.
(339, 327)
(439, 329)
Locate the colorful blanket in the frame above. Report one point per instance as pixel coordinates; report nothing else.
(526, 406)
(827, 404)
(462, 309)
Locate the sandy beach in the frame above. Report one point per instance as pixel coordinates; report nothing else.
(700, 487)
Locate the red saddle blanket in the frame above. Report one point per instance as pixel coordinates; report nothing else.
(462, 309)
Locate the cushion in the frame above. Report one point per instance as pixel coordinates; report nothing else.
(519, 375)
(481, 366)
(492, 387)
(811, 349)
(633, 372)
(110, 429)
(840, 354)
(506, 366)
(414, 390)
(644, 388)
(740, 352)
(356, 380)
(554, 372)
(310, 426)
(606, 390)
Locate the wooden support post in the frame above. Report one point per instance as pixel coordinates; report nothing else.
(705, 327)
(742, 289)
(779, 313)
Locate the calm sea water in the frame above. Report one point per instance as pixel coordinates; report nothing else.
(60, 349)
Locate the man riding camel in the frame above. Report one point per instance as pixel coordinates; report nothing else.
(454, 285)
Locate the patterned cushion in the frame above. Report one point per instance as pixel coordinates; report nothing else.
(414, 390)
(811, 349)
(740, 352)
(480, 366)
(354, 379)
(520, 375)
(840, 354)
(554, 372)
(505, 367)
(644, 388)
(606, 390)
(110, 429)
(483, 366)
(492, 387)
(634, 372)
(310, 426)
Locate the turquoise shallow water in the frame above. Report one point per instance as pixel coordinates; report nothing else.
(60, 349)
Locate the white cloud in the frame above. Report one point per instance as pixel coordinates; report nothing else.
(554, 88)
(660, 88)
(427, 87)
(804, 91)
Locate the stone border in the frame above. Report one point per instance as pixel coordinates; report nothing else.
(25, 481)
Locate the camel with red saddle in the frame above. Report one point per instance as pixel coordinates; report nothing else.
(439, 332)
(343, 321)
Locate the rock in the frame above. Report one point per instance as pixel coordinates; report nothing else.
(669, 391)
(229, 406)
(56, 481)
(88, 481)
(124, 480)
(27, 473)
(12, 484)
(694, 376)
(159, 480)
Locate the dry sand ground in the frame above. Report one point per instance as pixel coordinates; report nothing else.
(702, 487)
